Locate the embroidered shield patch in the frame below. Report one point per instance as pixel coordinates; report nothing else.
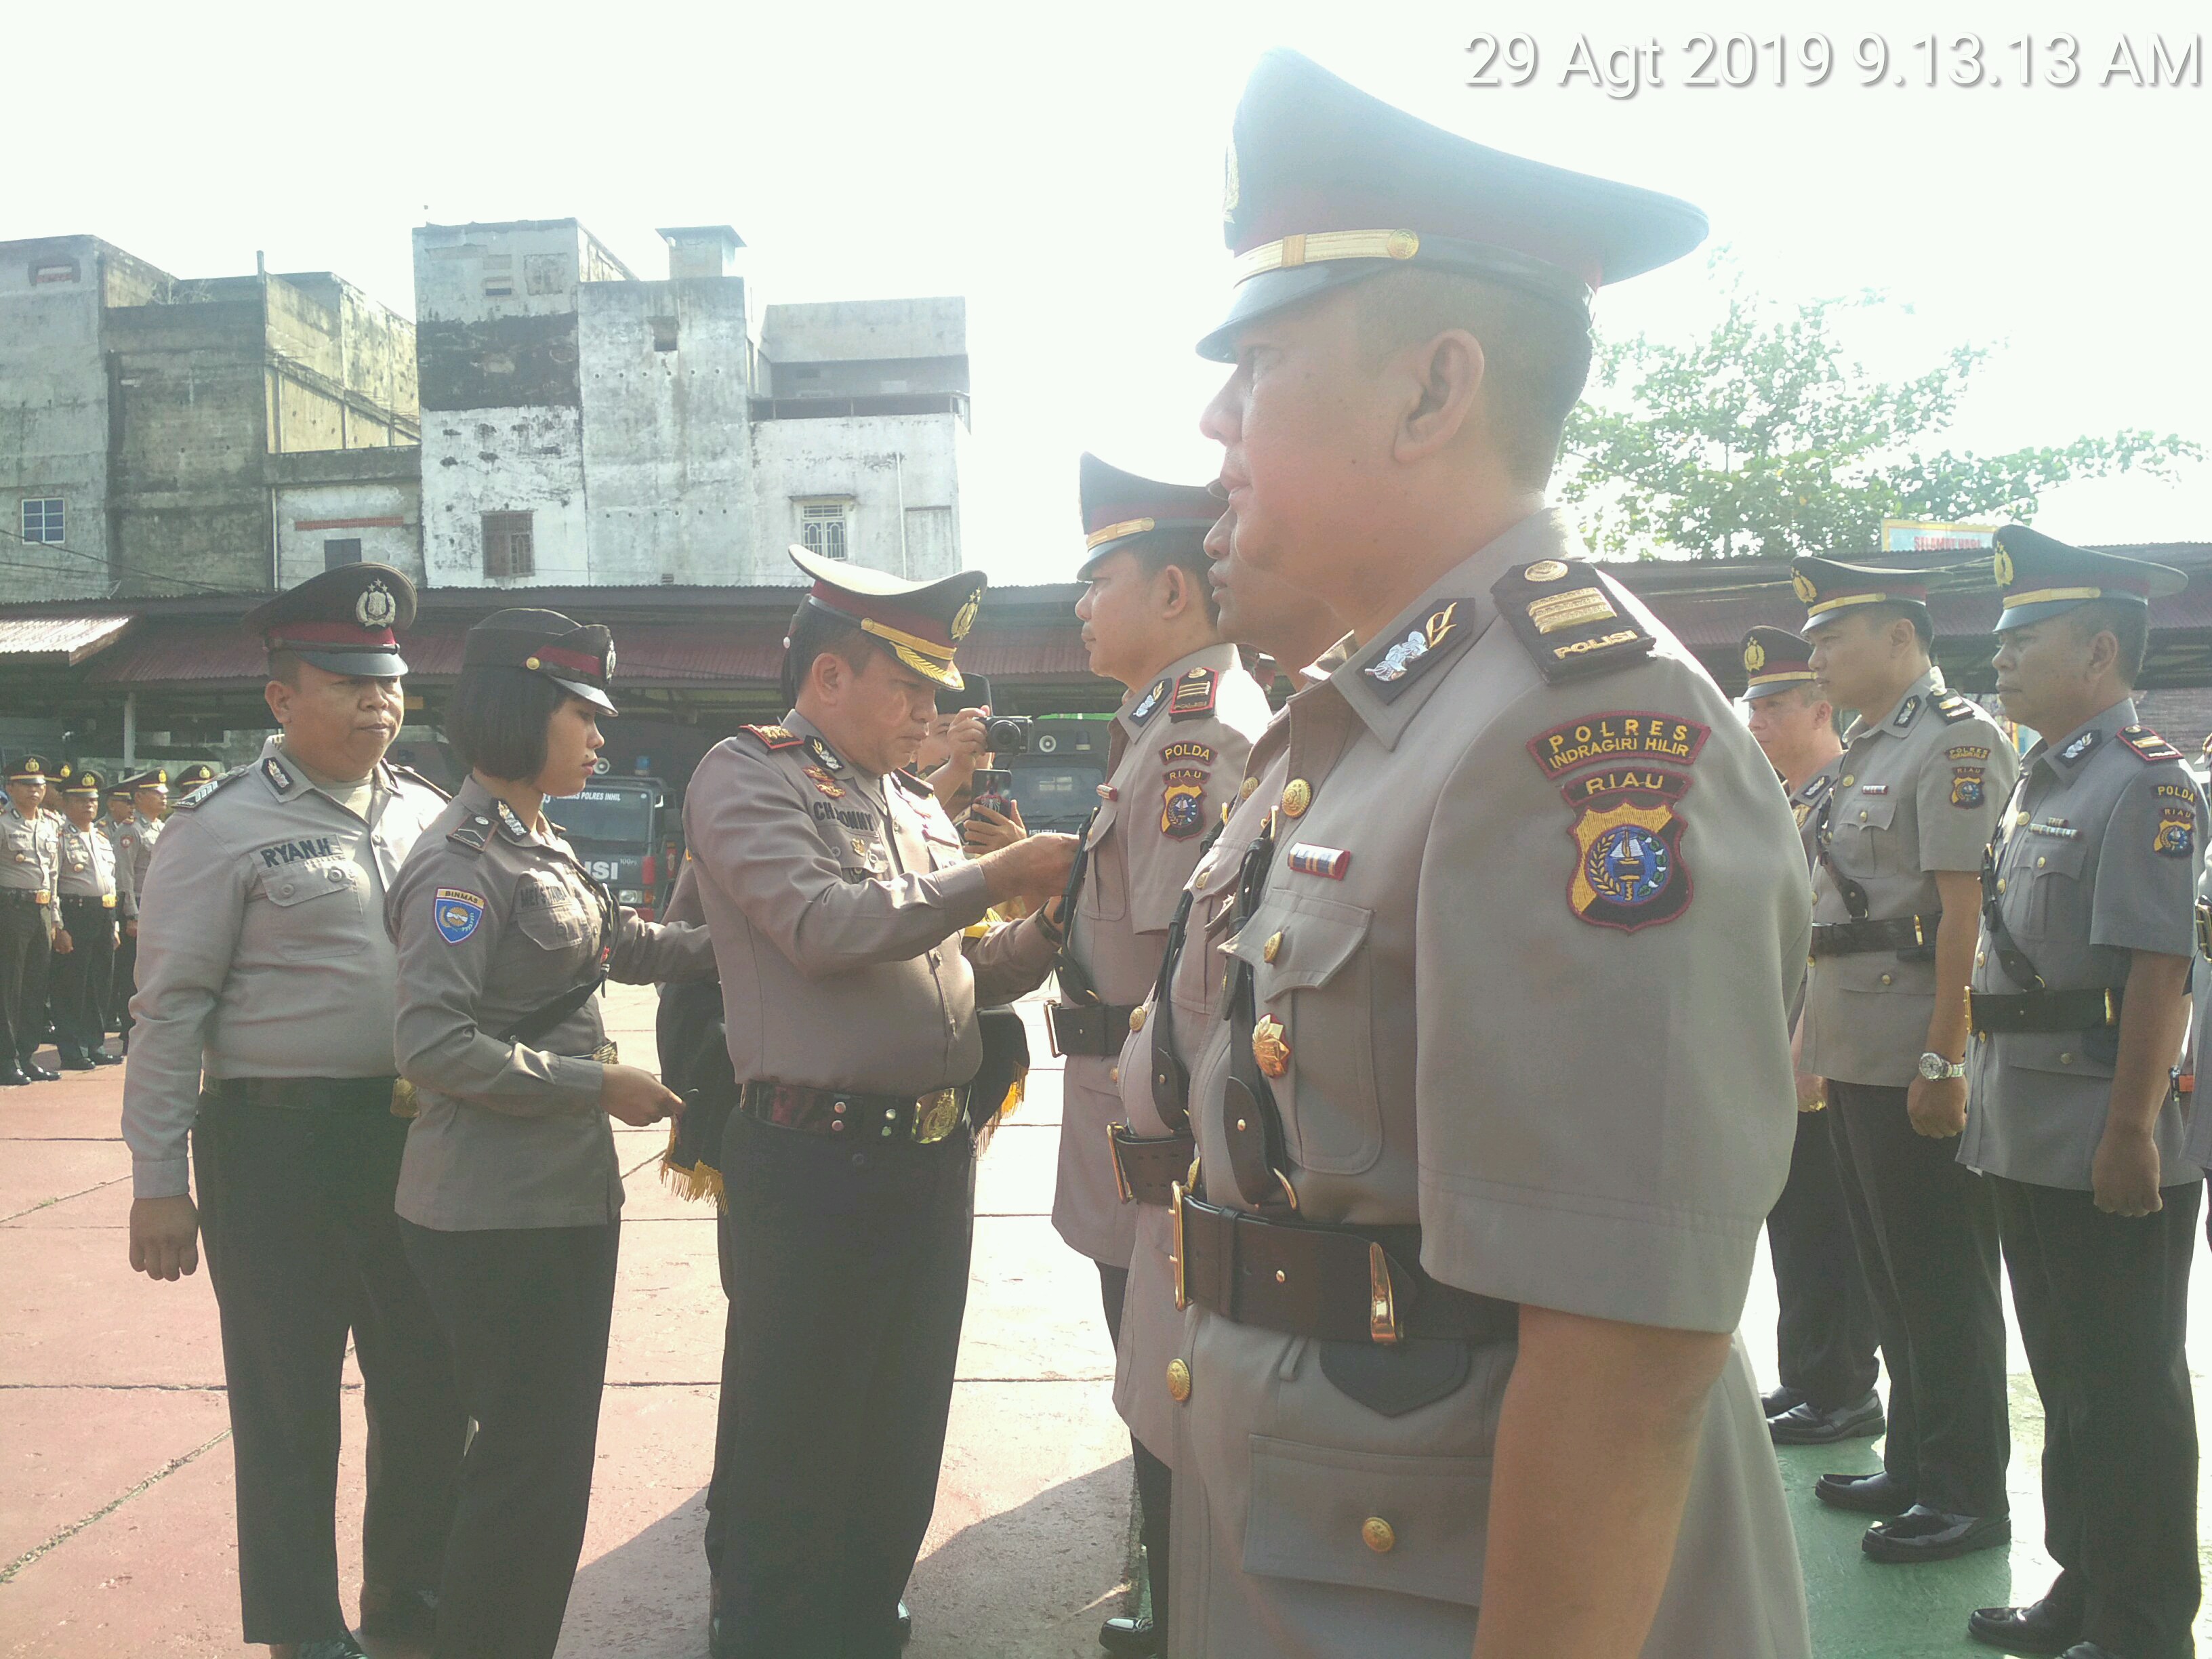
(2177, 832)
(1966, 786)
(1182, 812)
(460, 913)
(1629, 869)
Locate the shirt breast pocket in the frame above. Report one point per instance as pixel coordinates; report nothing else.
(1105, 895)
(559, 924)
(1319, 984)
(2058, 896)
(1862, 842)
(318, 909)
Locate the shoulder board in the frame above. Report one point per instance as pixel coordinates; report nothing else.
(2147, 745)
(413, 776)
(1195, 693)
(913, 785)
(1953, 707)
(1821, 783)
(1563, 616)
(470, 833)
(206, 792)
(773, 737)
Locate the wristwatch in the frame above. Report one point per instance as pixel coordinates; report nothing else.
(1936, 1069)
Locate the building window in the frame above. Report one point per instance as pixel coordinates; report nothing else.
(822, 527)
(507, 545)
(346, 551)
(42, 520)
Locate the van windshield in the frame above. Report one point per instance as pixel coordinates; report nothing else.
(601, 814)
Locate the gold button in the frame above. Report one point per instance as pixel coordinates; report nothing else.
(1281, 1277)
(1244, 789)
(2039, 863)
(1274, 947)
(1377, 1535)
(2065, 1060)
(2000, 882)
(1885, 979)
(1981, 959)
(530, 662)
(1136, 1019)
(1199, 885)
(1113, 1074)
(2022, 817)
(1178, 1380)
(1298, 795)
(1849, 780)
(1862, 811)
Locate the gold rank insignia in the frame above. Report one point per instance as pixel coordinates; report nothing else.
(2001, 567)
(1269, 1051)
(1755, 656)
(1802, 585)
(965, 619)
(822, 781)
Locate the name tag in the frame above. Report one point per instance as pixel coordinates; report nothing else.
(2058, 829)
(1874, 789)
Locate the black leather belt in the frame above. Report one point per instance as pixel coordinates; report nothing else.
(310, 1093)
(846, 1114)
(1094, 1028)
(87, 901)
(1337, 1283)
(2088, 1009)
(20, 895)
(1147, 1168)
(1851, 938)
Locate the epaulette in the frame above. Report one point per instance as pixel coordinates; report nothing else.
(1820, 786)
(471, 834)
(1953, 708)
(206, 791)
(413, 776)
(2148, 746)
(774, 737)
(913, 785)
(1193, 695)
(1563, 618)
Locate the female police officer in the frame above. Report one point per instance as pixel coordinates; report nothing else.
(510, 1195)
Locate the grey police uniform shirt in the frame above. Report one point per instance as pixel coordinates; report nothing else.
(493, 921)
(839, 903)
(1172, 771)
(1919, 791)
(141, 836)
(87, 866)
(261, 946)
(2098, 860)
(1805, 807)
(2198, 1147)
(126, 896)
(1542, 1014)
(24, 853)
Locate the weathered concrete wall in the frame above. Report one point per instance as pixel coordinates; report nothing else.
(863, 330)
(896, 471)
(372, 496)
(870, 377)
(667, 440)
(54, 413)
(503, 460)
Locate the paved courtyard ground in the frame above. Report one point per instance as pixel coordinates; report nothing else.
(116, 1537)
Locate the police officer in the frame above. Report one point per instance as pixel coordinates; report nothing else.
(26, 921)
(839, 903)
(2081, 1012)
(1510, 963)
(1187, 720)
(510, 1195)
(1897, 844)
(265, 992)
(1823, 1334)
(1152, 1145)
(86, 942)
(135, 842)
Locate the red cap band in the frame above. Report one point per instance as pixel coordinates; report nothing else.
(331, 633)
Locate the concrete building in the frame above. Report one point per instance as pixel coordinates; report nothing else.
(582, 426)
(159, 435)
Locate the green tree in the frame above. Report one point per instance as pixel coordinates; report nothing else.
(1765, 439)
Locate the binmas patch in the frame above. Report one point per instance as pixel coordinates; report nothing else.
(1182, 809)
(458, 912)
(1629, 869)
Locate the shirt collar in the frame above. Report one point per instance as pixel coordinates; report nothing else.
(1542, 535)
(1156, 693)
(485, 807)
(1903, 714)
(2065, 758)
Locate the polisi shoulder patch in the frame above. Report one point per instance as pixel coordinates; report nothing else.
(773, 737)
(207, 791)
(1560, 612)
(1953, 708)
(2147, 746)
(1195, 693)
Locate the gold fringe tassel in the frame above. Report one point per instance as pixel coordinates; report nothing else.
(702, 1181)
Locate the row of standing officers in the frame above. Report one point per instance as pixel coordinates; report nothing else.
(1433, 1035)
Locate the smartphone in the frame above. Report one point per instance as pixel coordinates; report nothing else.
(994, 788)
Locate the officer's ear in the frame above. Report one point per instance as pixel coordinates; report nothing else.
(1445, 377)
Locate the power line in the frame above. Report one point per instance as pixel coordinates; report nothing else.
(106, 562)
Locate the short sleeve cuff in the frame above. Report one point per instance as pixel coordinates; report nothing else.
(1578, 1254)
(161, 1178)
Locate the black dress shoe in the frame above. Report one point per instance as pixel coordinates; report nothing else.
(73, 1059)
(2092, 1650)
(1924, 1534)
(39, 1073)
(403, 1614)
(1879, 1494)
(11, 1077)
(2036, 1629)
(1130, 1638)
(1779, 1401)
(1808, 1425)
(101, 1057)
(335, 1647)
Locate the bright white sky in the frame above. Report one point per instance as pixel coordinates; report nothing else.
(1062, 167)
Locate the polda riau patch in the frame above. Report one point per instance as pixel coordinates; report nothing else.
(1629, 870)
(2176, 836)
(1966, 786)
(1182, 809)
(458, 913)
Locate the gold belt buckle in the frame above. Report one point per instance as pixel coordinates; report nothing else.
(1382, 1325)
(935, 1115)
(1113, 1151)
(1175, 1209)
(2112, 1014)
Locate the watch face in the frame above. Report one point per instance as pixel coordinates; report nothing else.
(1933, 1067)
